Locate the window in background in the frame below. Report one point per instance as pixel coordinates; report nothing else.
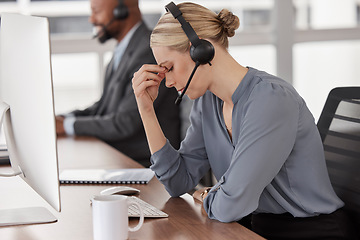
(255, 16)
(78, 79)
(327, 14)
(78, 73)
(70, 24)
(250, 45)
(321, 66)
(256, 19)
(261, 57)
(76, 83)
(80, 24)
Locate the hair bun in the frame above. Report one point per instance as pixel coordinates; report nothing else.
(229, 21)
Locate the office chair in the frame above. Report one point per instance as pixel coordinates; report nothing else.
(339, 127)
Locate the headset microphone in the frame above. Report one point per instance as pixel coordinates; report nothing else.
(102, 33)
(179, 98)
(201, 50)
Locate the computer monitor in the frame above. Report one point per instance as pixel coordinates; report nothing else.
(27, 110)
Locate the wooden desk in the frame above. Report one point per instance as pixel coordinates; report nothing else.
(186, 218)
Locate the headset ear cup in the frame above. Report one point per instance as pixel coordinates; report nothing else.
(121, 11)
(202, 53)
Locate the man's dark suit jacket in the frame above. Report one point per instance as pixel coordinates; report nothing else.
(115, 118)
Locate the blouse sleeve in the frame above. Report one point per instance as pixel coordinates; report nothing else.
(267, 135)
(180, 171)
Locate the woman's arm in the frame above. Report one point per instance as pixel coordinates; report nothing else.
(180, 170)
(146, 82)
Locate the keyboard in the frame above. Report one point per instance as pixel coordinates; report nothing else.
(149, 210)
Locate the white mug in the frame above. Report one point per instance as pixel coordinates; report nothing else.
(110, 217)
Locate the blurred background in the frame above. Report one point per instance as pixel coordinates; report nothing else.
(313, 44)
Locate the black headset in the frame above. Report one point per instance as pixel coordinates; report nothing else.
(201, 50)
(121, 11)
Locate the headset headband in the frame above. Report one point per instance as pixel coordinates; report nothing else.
(189, 31)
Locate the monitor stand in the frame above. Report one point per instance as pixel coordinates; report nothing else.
(30, 215)
(21, 216)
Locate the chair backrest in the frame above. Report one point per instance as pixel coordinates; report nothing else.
(339, 127)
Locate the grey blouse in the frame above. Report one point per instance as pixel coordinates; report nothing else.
(273, 164)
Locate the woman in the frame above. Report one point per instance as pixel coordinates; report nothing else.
(251, 128)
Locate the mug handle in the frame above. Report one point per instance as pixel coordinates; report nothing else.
(141, 220)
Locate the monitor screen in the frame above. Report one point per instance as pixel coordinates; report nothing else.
(27, 103)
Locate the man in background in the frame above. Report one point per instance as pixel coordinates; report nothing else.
(115, 118)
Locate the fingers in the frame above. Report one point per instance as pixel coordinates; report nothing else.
(142, 87)
(148, 75)
(149, 72)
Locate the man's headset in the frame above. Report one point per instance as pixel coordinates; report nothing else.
(120, 12)
(201, 50)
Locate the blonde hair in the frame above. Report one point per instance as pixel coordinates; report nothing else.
(206, 23)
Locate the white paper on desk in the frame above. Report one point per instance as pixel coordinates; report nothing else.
(101, 176)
